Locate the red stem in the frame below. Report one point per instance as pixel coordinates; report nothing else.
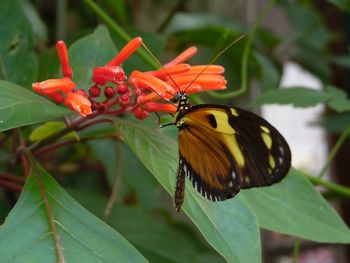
(25, 163)
(92, 123)
(10, 185)
(11, 177)
(58, 145)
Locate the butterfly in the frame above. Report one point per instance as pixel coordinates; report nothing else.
(224, 149)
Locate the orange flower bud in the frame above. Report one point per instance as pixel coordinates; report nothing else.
(53, 85)
(78, 103)
(63, 57)
(126, 51)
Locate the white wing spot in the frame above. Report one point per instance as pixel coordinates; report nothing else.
(233, 175)
(281, 150)
(280, 160)
(230, 184)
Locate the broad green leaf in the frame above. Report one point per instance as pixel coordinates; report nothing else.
(27, 236)
(20, 107)
(185, 21)
(17, 59)
(294, 207)
(230, 227)
(310, 39)
(50, 128)
(38, 27)
(158, 239)
(268, 73)
(120, 9)
(135, 177)
(343, 61)
(298, 96)
(336, 123)
(341, 4)
(94, 50)
(339, 101)
(310, 30)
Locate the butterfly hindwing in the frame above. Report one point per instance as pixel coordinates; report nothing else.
(223, 149)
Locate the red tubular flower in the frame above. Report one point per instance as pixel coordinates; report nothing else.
(185, 55)
(171, 70)
(126, 52)
(207, 82)
(112, 74)
(64, 60)
(78, 103)
(173, 77)
(53, 85)
(148, 82)
(159, 107)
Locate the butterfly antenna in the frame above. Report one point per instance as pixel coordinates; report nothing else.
(214, 59)
(161, 66)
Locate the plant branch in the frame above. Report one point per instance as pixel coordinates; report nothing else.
(246, 53)
(118, 176)
(337, 188)
(334, 151)
(58, 145)
(296, 250)
(11, 177)
(170, 15)
(10, 185)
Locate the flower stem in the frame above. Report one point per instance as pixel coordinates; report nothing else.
(337, 188)
(245, 58)
(119, 31)
(334, 151)
(296, 250)
(118, 177)
(170, 15)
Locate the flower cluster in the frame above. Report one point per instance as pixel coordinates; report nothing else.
(173, 77)
(62, 90)
(139, 93)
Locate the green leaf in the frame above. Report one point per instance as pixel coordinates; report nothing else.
(294, 207)
(341, 4)
(230, 227)
(50, 128)
(38, 27)
(151, 233)
(93, 50)
(17, 60)
(268, 73)
(298, 96)
(342, 60)
(136, 178)
(20, 107)
(336, 123)
(27, 236)
(119, 8)
(339, 101)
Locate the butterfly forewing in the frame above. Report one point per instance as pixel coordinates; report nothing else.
(223, 149)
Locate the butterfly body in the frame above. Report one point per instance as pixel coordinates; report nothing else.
(224, 149)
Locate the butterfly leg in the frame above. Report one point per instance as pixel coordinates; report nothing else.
(180, 189)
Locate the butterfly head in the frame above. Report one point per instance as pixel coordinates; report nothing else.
(182, 99)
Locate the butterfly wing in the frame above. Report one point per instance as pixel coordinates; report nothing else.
(223, 149)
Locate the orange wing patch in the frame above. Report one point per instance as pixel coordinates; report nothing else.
(208, 163)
